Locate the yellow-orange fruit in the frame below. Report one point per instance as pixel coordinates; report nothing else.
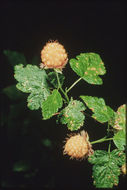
(76, 147)
(123, 168)
(53, 55)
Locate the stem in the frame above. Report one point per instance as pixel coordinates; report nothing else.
(59, 87)
(73, 84)
(109, 147)
(101, 140)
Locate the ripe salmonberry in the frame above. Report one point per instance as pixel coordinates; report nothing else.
(53, 55)
(78, 146)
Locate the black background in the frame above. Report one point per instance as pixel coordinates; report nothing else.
(92, 26)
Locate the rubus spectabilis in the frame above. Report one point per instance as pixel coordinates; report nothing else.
(53, 55)
(78, 146)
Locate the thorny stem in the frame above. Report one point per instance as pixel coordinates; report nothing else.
(59, 87)
(73, 84)
(101, 140)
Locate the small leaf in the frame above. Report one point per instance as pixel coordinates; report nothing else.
(89, 66)
(102, 113)
(32, 80)
(53, 79)
(15, 58)
(51, 105)
(72, 115)
(119, 139)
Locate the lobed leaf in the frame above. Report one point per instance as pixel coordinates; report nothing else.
(88, 66)
(72, 115)
(32, 80)
(106, 167)
(51, 105)
(119, 120)
(102, 113)
(119, 139)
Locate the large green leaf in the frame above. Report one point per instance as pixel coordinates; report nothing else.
(72, 115)
(89, 66)
(15, 58)
(119, 119)
(106, 169)
(119, 139)
(102, 113)
(32, 80)
(51, 105)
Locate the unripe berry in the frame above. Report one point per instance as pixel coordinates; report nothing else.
(123, 168)
(53, 55)
(78, 146)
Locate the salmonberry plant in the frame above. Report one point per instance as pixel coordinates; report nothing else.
(44, 85)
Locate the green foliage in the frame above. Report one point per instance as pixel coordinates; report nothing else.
(53, 79)
(32, 80)
(89, 66)
(119, 139)
(106, 169)
(72, 115)
(15, 58)
(44, 89)
(102, 113)
(52, 104)
(118, 121)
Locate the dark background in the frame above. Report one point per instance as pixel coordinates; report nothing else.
(25, 26)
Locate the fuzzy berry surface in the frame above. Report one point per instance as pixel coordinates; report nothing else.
(76, 147)
(53, 55)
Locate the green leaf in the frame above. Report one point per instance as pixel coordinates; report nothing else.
(106, 169)
(53, 79)
(119, 139)
(118, 122)
(21, 166)
(72, 115)
(32, 80)
(15, 58)
(99, 157)
(89, 66)
(12, 92)
(52, 104)
(102, 113)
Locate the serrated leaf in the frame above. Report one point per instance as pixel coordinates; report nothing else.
(51, 105)
(106, 167)
(53, 79)
(102, 113)
(118, 122)
(72, 115)
(119, 139)
(15, 58)
(32, 80)
(89, 66)
(99, 157)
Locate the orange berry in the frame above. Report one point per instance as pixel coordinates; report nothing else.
(77, 146)
(53, 55)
